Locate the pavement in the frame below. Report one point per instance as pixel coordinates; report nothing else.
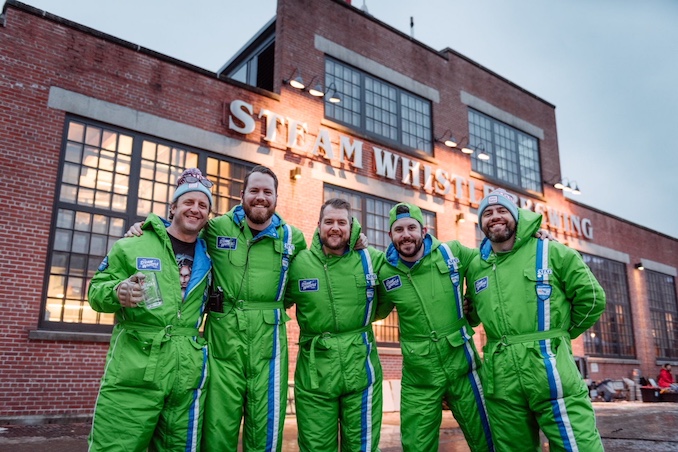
(624, 427)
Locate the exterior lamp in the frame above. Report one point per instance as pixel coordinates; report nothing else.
(482, 155)
(334, 98)
(317, 90)
(296, 82)
(460, 217)
(295, 173)
(639, 266)
(566, 185)
(448, 139)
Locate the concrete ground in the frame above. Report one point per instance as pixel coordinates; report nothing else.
(624, 427)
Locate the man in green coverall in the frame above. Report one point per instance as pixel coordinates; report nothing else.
(252, 248)
(151, 392)
(533, 296)
(338, 378)
(423, 278)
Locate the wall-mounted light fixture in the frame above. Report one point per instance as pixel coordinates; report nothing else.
(296, 82)
(460, 217)
(482, 155)
(448, 139)
(639, 266)
(566, 185)
(317, 89)
(335, 98)
(295, 173)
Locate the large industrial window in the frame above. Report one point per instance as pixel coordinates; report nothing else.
(111, 178)
(612, 335)
(661, 292)
(372, 213)
(514, 155)
(377, 107)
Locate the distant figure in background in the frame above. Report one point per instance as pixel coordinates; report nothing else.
(665, 379)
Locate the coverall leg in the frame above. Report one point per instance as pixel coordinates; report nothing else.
(360, 415)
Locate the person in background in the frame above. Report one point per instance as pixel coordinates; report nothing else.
(533, 296)
(423, 278)
(151, 394)
(665, 379)
(338, 378)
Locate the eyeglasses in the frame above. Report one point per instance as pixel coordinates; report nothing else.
(193, 179)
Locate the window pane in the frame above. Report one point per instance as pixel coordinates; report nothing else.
(514, 155)
(612, 335)
(377, 107)
(94, 208)
(661, 295)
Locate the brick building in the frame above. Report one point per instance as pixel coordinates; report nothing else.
(94, 131)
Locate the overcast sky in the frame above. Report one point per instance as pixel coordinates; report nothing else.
(609, 66)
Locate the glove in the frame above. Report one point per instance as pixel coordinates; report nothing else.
(130, 293)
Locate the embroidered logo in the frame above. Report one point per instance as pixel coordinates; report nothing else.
(371, 279)
(103, 265)
(481, 284)
(289, 248)
(544, 271)
(392, 283)
(149, 264)
(544, 291)
(227, 243)
(308, 285)
(455, 278)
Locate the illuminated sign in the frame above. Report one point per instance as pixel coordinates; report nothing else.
(437, 181)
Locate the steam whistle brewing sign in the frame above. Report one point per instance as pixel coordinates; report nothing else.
(418, 176)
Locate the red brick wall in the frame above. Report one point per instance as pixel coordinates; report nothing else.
(51, 377)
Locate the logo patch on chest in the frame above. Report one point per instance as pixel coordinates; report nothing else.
(227, 243)
(392, 283)
(481, 284)
(308, 285)
(149, 264)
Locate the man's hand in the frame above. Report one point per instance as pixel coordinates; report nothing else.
(130, 292)
(134, 230)
(543, 234)
(362, 242)
(467, 306)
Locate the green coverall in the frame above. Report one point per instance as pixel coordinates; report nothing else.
(338, 378)
(248, 341)
(151, 392)
(440, 360)
(532, 300)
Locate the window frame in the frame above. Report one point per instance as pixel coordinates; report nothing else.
(128, 216)
(609, 335)
(491, 139)
(660, 302)
(359, 94)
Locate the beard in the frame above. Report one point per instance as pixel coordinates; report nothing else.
(258, 215)
(334, 242)
(500, 236)
(417, 246)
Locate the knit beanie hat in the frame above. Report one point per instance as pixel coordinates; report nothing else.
(414, 212)
(501, 197)
(192, 180)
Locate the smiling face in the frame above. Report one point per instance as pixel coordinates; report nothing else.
(334, 228)
(407, 235)
(259, 200)
(189, 215)
(499, 226)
